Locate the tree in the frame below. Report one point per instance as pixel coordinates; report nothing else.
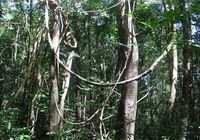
(54, 101)
(187, 68)
(69, 69)
(128, 59)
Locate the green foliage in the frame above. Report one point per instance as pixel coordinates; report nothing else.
(172, 16)
(9, 129)
(95, 5)
(96, 59)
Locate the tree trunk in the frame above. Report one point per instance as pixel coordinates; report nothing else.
(187, 69)
(174, 76)
(65, 85)
(127, 109)
(54, 114)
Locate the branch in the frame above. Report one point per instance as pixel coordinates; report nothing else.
(151, 68)
(60, 112)
(103, 10)
(145, 95)
(108, 96)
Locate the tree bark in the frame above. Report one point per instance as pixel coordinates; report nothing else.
(54, 114)
(128, 106)
(187, 69)
(174, 77)
(65, 85)
(174, 65)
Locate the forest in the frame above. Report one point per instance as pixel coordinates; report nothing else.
(99, 69)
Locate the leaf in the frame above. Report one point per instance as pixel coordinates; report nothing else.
(74, 54)
(196, 45)
(51, 133)
(8, 16)
(105, 14)
(146, 25)
(9, 125)
(130, 14)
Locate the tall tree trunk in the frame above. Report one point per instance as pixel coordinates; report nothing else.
(66, 85)
(174, 74)
(128, 106)
(54, 114)
(187, 68)
(80, 113)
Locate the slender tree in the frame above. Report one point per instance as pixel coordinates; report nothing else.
(54, 44)
(128, 59)
(187, 67)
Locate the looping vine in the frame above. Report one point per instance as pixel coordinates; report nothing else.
(70, 40)
(66, 34)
